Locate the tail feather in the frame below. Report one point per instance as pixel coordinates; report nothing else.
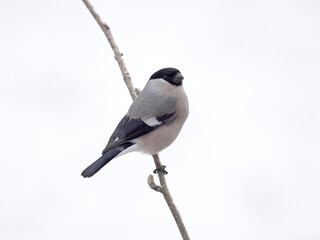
(103, 160)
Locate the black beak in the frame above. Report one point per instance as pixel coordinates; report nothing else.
(177, 79)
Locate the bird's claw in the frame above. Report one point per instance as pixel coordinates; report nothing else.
(162, 169)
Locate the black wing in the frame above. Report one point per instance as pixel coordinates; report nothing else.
(131, 128)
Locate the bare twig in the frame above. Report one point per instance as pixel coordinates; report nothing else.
(169, 200)
(117, 54)
(134, 92)
(152, 185)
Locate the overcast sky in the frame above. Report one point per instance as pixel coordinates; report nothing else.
(246, 164)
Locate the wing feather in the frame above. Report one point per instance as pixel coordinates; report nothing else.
(131, 128)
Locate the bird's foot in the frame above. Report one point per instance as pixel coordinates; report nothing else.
(161, 169)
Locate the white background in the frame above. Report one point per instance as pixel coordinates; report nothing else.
(245, 166)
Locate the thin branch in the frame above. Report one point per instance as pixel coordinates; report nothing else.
(169, 200)
(152, 185)
(134, 92)
(117, 54)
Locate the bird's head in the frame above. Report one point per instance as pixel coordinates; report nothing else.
(171, 75)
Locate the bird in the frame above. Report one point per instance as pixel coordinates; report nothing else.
(153, 121)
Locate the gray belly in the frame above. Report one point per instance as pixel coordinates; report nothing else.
(162, 137)
(159, 139)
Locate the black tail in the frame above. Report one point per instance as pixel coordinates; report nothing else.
(104, 159)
